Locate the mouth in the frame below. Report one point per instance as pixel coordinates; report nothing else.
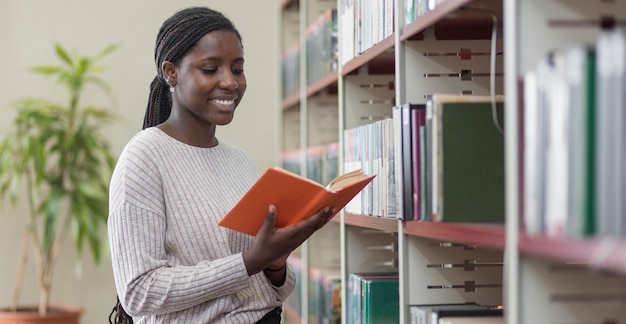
(224, 102)
(227, 104)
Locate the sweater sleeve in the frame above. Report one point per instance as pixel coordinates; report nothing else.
(144, 279)
(287, 288)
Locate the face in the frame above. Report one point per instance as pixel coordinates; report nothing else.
(209, 80)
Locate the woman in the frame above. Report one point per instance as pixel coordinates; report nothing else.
(175, 180)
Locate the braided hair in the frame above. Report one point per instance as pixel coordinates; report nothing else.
(176, 37)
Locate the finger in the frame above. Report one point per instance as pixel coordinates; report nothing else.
(270, 220)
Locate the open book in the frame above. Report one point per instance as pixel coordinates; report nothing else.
(294, 196)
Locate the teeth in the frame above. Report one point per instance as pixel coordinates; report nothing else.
(224, 102)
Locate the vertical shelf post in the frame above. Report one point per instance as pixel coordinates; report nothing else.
(511, 253)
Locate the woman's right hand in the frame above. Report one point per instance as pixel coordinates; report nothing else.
(272, 244)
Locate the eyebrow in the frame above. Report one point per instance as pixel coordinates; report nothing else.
(213, 58)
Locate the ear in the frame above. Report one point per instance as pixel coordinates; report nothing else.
(169, 72)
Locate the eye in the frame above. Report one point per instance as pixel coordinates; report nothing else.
(209, 71)
(237, 71)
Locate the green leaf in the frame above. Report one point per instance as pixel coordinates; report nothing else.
(47, 69)
(62, 54)
(106, 51)
(51, 206)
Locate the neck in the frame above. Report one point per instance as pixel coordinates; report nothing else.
(188, 134)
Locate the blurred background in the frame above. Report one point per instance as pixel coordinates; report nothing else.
(30, 29)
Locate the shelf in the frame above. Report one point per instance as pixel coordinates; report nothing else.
(451, 23)
(373, 222)
(288, 4)
(291, 101)
(328, 82)
(381, 54)
(595, 253)
(488, 235)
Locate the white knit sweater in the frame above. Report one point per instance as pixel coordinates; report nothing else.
(172, 263)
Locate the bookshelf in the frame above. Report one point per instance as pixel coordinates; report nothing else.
(538, 278)
(555, 278)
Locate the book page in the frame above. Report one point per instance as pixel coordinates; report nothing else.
(345, 179)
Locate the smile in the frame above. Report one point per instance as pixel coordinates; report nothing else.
(223, 101)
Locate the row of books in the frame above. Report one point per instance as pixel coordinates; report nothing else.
(322, 47)
(373, 298)
(321, 161)
(370, 148)
(455, 313)
(417, 8)
(364, 23)
(324, 294)
(439, 161)
(452, 155)
(574, 149)
(290, 71)
(321, 54)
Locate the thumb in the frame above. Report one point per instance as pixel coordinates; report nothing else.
(270, 219)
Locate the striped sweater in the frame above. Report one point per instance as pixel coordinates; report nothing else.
(171, 262)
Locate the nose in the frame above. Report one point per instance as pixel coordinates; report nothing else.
(228, 80)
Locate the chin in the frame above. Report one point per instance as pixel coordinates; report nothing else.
(224, 121)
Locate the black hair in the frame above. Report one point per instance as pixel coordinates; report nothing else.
(177, 36)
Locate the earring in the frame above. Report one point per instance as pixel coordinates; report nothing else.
(172, 89)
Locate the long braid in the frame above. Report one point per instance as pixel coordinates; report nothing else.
(159, 103)
(176, 37)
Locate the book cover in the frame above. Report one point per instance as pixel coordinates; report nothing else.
(397, 160)
(294, 196)
(438, 314)
(473, 320)
(380, 298)
(408, 129)
(581, 72)
(610, 141)
(427, 142)
(421, 313)
(418, 120)
(469, 155)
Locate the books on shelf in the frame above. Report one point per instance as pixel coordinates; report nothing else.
(467, 154)
(373, 298)
(574, 140)
(324, 295)
(370, 148)
(294, 301)
(473, 320)
(294, 196)
(610, 174)
(408, 119)
(436, 313)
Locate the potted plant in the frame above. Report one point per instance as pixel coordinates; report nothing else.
(55, 159)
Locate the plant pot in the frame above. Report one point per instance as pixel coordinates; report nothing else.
(57, 314)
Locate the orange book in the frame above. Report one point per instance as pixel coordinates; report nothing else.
(294, 196)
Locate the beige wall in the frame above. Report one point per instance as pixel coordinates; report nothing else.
(29, 30)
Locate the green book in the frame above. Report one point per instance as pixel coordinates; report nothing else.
(580, 68)
(468, 151)
(380, 299)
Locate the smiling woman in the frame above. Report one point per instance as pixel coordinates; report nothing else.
(206, 86)
(175, 180)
